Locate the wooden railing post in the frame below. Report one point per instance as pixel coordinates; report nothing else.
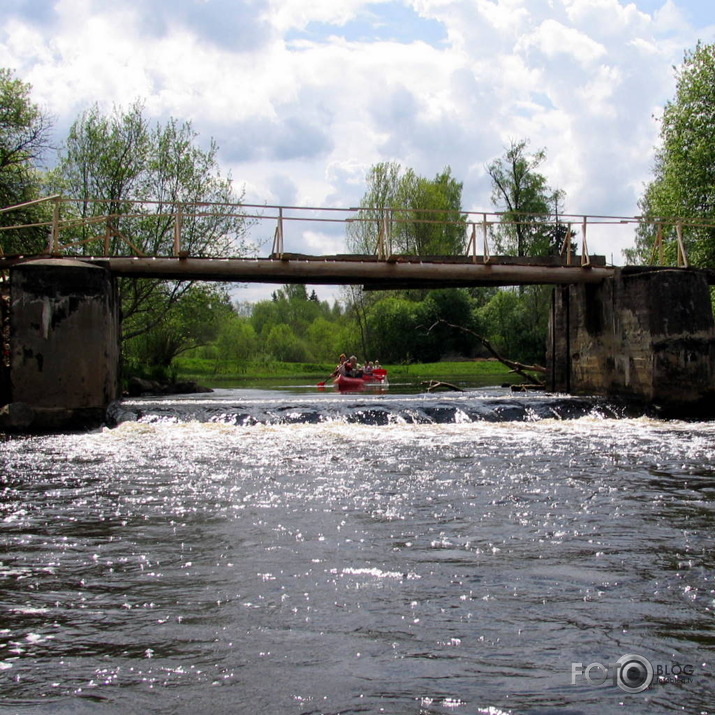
(472, 244)
(567, 245)
(178, 221)
(682, 256)
(277, 249)
(485, 237)
(387, 233)
(585, 258)
(382, 230)
(55, 227)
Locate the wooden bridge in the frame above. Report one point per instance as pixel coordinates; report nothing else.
(94, 232)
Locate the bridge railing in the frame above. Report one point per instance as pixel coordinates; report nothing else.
(82, 227)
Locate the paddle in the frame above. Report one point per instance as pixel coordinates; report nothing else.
(322, 384)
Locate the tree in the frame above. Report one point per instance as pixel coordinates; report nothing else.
(395, 330)
(284, 345)
(437, 341)
(684, 173)
(429, 220)
(237, 340)
(194, 320)
(130, 178)
(324, 339)
(295, 326)
(515, 322)
(373, 219)
(412, 214)
(522, 193)
(24, 139)
(357, 303)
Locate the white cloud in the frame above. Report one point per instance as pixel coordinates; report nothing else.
(302, 98)
(606, 18)
(289, 14)
(322, 244)
(554, 39)
(670, 18)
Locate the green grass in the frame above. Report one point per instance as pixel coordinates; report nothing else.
(445, 370)
(216, 373)
(232, 370)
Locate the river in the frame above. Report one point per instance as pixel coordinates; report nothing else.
(293, 551)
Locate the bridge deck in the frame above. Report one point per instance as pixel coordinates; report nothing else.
(394, 272)
(369, 271)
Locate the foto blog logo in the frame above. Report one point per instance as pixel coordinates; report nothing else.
(631, 673)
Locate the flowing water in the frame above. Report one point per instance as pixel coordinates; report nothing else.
(286, 552)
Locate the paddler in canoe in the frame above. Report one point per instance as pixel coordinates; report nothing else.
(341, 362)
(348, 373)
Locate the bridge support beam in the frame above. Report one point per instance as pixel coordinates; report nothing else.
(63, 346)
(645, 336)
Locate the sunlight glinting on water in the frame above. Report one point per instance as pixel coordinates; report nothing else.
(451, 566)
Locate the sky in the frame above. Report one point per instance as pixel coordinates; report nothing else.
(303, 98)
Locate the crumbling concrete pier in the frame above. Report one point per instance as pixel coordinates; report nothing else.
(643, 335)
(63, 357)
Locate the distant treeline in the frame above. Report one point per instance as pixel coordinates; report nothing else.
(396, 327)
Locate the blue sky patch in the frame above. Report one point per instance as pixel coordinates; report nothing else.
(699, 12)
(386, 22)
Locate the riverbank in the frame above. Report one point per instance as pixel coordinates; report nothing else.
(220, 374)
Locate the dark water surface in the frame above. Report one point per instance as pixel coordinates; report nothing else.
(263, 552)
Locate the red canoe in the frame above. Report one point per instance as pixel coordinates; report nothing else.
(378, 377)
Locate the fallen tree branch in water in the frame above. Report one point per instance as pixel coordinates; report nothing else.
(516, 367)
(437, 385)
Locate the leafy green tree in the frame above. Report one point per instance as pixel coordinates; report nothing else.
(437, 340)
(194, 320)
(24, 139)
(283, 344)
(289, 305)
(357, 304)
(374, 217)
(410, 328)
(412, 214)
(524, 197)
(396, 328)
(236, 340)
(295, 326)
(515, 323)
(429, 220)
(684, 174)
(128, 178)
(324, 339)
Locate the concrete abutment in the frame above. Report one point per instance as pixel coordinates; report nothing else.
(642, 336)
(63, 349)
